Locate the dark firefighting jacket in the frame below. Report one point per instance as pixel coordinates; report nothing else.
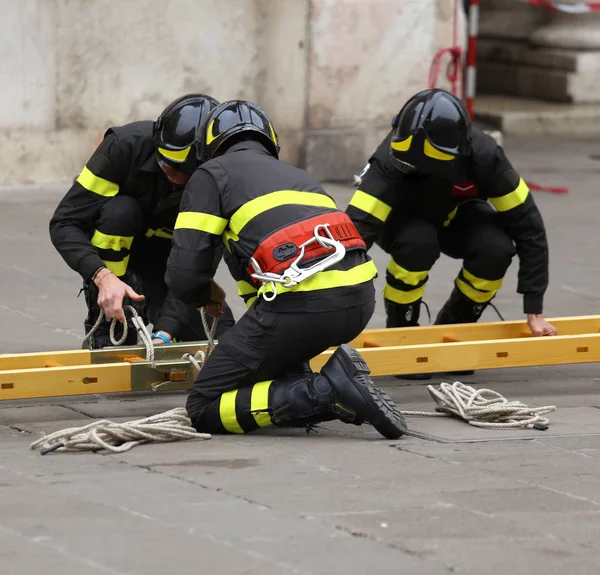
(239, 199)
(486, 175)
(125, 164)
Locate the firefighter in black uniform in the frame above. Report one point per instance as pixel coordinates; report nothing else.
(115, 225)
(427, 190)
(302, 266)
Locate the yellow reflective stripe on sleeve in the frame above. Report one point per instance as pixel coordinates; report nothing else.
(201, 222)
(108, 242)
(246, 288)
(403, 297)
(331, 279)
(267, 202)
(97, 185)
(259, 402)
(482, 284)
(118, 268)
(370, 205)
(513, 199)
(408, 277)
(473, 294)
(227, 412)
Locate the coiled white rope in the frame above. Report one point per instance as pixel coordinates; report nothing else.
(173, 425)
(484, 408)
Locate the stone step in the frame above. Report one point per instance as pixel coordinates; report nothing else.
(529, 117)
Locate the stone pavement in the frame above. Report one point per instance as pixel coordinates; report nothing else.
(449, 499)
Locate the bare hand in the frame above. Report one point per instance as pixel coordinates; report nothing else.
(214, 306)
(158, 341)
(112, 292)
(539, 326)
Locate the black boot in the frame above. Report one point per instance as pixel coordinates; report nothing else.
(404, 315)
(343, 390)
(460, 309)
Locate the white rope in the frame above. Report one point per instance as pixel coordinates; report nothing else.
(173, 425)
(484, 408)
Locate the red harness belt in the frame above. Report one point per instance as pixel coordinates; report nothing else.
(280, 249)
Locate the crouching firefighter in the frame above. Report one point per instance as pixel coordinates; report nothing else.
(115, 225)
(305, 265)
(437, 184)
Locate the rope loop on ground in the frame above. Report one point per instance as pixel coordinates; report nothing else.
(484, 408)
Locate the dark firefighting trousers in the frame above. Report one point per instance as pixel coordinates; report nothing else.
(138, 256)
(473, 235)
(258, 375)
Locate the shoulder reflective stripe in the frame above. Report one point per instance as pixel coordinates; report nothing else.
(108, 242)
(175, 155)
(227, 412)
(246, 288)
(201, 222)
(403, 297)
(267, 202)
(331, 279)
(513, 199)
(117, 268)
(97, 185)
(482, 284)
(473, 294)
(436, 154)
(402, 274)
(259, 402)
(371, 205)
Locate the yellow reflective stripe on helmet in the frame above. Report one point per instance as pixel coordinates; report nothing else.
(267, 202)
(512, 199)
(246, 288)
(330, 279)
(436, 154)
(402, 146)
(273, 135)
(175, 155)
(210, 137)
(227, 412)
(259, 402)
(370, 205)
(108, 242)
(482, 284)
(118, 268)
(201, 222)
(408, 277)
(403, 297)
(472, 293)
(97, 185)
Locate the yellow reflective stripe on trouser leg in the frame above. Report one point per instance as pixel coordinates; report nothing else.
(117, 268)
(477, 289)
(259, 403)
(227, 412)
(406, 276)
(371, 205)
(512, 199)
(403, 297)
(97, 185)
(330, 279)
(110, 242)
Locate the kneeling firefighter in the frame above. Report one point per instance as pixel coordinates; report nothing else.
(304, 269)
(437, 184)
(115, 224)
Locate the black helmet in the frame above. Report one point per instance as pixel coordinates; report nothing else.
(177, 131)
(431, 133)
(236, 117)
